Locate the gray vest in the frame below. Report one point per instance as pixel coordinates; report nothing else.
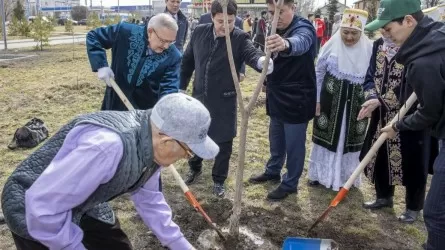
(135, 168)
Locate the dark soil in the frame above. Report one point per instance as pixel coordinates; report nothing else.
(272, 225)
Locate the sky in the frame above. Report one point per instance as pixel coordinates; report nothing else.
(318, 3)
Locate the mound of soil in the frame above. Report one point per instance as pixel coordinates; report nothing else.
(273, 226)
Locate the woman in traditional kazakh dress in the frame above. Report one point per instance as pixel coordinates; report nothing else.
(405, 159)
(337, 134)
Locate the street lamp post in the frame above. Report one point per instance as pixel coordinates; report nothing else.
(2, 12)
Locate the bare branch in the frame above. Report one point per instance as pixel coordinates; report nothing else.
(266, 61)
(239, 95)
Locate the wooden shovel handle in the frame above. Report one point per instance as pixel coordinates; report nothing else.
(120, 94)
(382, 138)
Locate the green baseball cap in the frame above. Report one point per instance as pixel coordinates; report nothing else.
(393, 9)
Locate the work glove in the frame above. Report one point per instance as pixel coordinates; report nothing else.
(260, 64)
(105, 74)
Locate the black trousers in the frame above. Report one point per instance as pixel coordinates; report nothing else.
(434, 211)
(221, 165)
(415, 192)
(318, 44)
(259, 42)
(97, 236)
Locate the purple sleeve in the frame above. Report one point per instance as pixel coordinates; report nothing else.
(157, 215)
(88, 157)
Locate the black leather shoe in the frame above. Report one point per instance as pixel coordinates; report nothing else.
(409, 216)
(379, 203)
(264, 178)
(192, 177)
(313, 183)
(278, 194)
(218, 190)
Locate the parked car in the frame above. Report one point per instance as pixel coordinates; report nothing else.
(82, 22)
(63, 20)
(31, 18)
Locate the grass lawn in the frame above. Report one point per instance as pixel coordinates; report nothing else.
(56, 86)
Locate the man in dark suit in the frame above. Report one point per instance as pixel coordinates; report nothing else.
(206, 57)
(207, 18)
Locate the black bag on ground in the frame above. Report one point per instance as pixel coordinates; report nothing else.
(30, 135)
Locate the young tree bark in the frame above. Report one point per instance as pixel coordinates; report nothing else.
(245, 114)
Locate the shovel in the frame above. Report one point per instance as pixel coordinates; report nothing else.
(368, 157)
(190, 197)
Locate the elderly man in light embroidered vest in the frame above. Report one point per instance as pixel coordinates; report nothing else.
(57, 197)
(145, 62)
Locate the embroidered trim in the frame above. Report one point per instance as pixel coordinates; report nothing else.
(150, 65)
(331, 64)
(388, 77)
(137, 44)
(370, 93)
(339, 99)
(392, 72)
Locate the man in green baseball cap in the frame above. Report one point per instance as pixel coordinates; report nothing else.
(422, 52)
(393, 12)
(390, 10)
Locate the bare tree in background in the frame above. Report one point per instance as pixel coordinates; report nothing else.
(304, 7)
(430, 3)
(372, 14)
(9, 7)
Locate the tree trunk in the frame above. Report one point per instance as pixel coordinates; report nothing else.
(245, 114)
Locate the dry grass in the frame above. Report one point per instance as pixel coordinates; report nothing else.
(76, 29)
(55, 87)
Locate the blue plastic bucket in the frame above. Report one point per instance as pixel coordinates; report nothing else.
(297, 243)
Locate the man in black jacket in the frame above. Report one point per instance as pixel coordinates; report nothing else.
(172, 8)
(261, 31)
(206, 54)
(207, 18)
(291, 97)
(422, 52)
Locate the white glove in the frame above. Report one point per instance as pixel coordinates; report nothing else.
(260, 64)
(105, 74)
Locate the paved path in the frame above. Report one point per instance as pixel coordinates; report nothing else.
(25, 43)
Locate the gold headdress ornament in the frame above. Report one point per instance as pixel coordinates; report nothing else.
(355, 19)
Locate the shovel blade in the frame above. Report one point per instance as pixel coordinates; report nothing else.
(321, 218)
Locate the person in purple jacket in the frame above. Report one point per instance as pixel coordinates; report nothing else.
(57, 197)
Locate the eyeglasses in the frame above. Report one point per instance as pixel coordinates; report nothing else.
(162, 40)
(189, 153)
